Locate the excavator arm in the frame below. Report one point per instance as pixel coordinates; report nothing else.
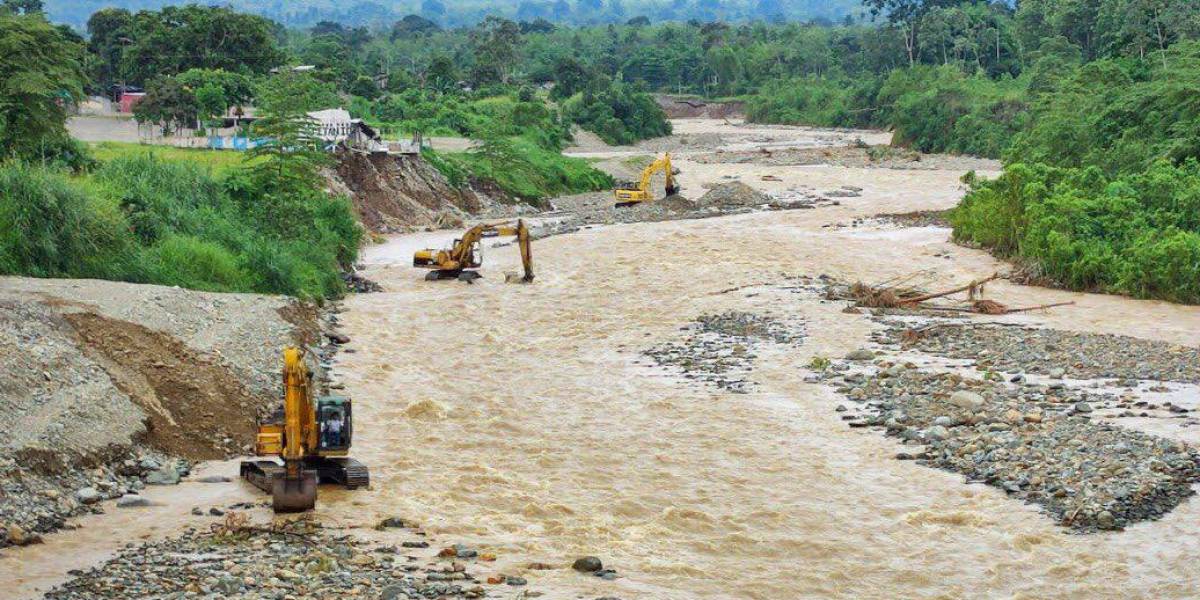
(523, 243)
(295, 489)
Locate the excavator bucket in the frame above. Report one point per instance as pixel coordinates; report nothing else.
(294, 495)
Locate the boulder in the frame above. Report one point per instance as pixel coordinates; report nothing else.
(966, 400)
(163, 476)
(132, 501)
(588, 564)
(88, 495)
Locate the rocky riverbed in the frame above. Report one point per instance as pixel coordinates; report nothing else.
(723, 199)
(33, 503)
(1037, 443)
(299, 560)
(720, 349)
(1052, 352)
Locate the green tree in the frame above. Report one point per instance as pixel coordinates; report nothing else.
(21, 7)
(495, 42)
(414, 26)
(175, 39)
(293, 152)
(443, 74)
(211, 103)
(168, 104)
(108, 31)
(41, 77)
(237, 88)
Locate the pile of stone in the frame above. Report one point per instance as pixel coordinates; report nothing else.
(33, 503)
(360, 285)
(734, 194)
(576, 212)
(298, 560)
(1036, 443)
(720, 349)
(1053, 352)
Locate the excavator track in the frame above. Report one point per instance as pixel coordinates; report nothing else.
(344, 471)
(287, 495)
(347, 472)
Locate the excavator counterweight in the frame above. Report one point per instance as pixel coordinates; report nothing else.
(460, 260)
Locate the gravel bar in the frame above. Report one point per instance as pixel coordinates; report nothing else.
(1040, 448)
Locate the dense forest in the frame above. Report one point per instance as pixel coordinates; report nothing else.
(466, 13)
(1094, 105)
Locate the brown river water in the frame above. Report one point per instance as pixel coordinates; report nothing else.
(522, 420)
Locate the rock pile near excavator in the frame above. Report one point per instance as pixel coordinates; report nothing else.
(733, 195)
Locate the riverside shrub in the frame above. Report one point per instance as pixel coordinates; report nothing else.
(141, 219)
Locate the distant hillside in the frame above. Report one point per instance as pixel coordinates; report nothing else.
(301, 13)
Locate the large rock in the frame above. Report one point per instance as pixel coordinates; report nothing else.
(164, 476)
(588, 564)
(966, 400)
(132, 501)
(88, 495)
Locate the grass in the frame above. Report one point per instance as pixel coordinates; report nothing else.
(142, 217)
(522, 169)
(214, 162)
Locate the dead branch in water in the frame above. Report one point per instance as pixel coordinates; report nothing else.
(889, 294)
(973, 289)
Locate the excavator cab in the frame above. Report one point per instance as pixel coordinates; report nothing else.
(335, 424)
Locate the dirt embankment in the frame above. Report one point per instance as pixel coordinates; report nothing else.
(687, 107)
(106, 384)
(400, 193)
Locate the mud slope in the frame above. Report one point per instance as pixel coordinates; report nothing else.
(402, 193)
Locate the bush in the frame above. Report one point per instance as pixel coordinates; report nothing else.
(817, 101)
(939, 109)
(617, 113)
(527, 171)
(1135, 234)
(1119, 115)
(51, 228)
(931, 109)
(142, 219)
(192, 263)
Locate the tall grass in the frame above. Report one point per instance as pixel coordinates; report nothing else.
(52, 228)
(143, 219)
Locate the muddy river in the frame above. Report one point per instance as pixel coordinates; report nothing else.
(525, 420)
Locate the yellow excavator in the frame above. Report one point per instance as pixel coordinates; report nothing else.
(460, 260)
(311, 436)
(629, 195)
